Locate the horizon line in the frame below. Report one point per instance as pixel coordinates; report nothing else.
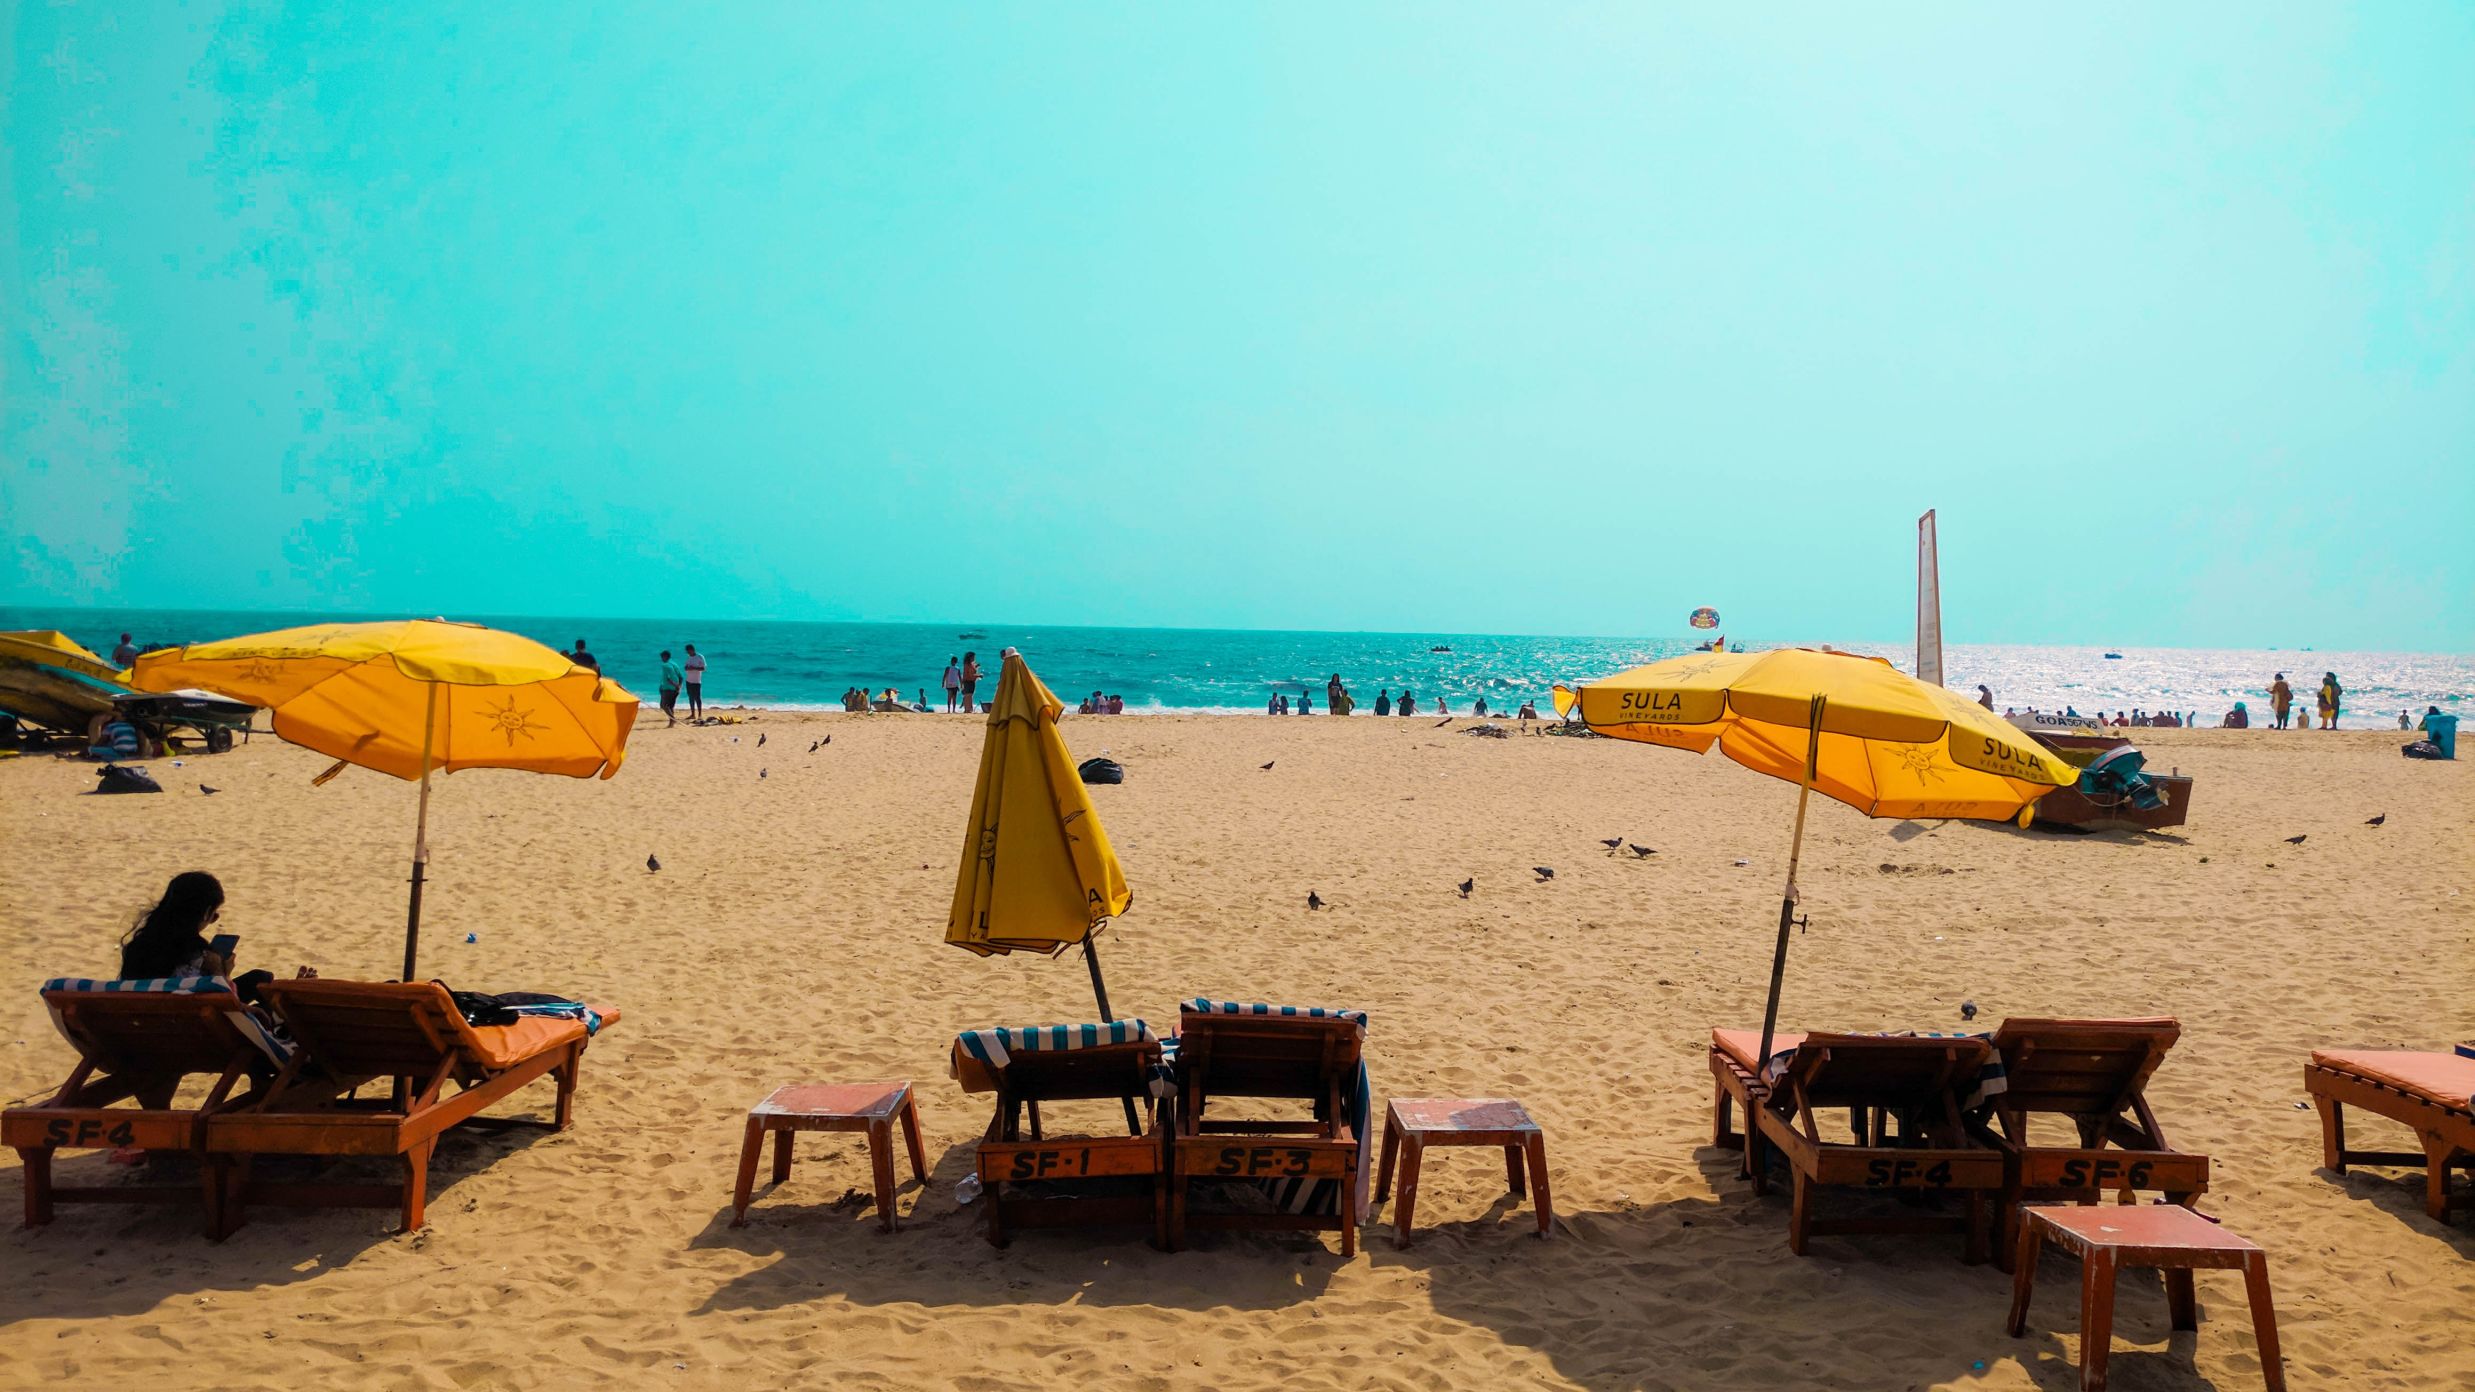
(1901, 644)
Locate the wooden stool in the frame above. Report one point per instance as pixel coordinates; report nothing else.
(869, 1107)
(2174, 1239)
(1411, 1124)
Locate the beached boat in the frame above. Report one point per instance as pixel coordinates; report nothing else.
(2116, 791)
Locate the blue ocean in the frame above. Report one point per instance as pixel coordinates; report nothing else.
(792, 664)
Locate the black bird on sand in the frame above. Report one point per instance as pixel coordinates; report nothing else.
(1967, 1010)
(1467, 885)
(812, 744)
(1267, 768)
(1544, 872)
(2296, 840)
(1611, 843)
(1440, 724)
(1641, 852)
(2376, 821)
(1313, 900)
(210, 792)
(760, 741)
(652, 864)
(760, 773)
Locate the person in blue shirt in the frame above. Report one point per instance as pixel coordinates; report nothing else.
(672, 680)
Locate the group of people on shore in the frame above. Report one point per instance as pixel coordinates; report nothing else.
(2282, 699)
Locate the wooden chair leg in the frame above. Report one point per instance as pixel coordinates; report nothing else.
(1178, 1185)
(1035, 1119)
(2023, 1278)
(2436, 1155)
(38, 1184)
(782, 1156)
(1391, 1152)
(1538, 1182)
(1721, 1133)
(1976, 1250)
(994, 1196)
(2332, 1133)
(1800, 1213)
(911, 1139)
(750, 1148)
(1405, 1206)
(566, 1074)
(2264, 1321)
(2182, 1300)
(2096, 1318)
(1512, 1171)
(881, 1163)
(417, 1184)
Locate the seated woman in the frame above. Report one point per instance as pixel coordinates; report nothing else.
(170, 938)
(2237, 719)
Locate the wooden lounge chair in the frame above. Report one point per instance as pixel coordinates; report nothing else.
(136, 1043)
(2095, 1073)
(409, 1036)
(1914, 1084)
(2430, 1092)
(1226, 1052)
(1739, 1084)
(1073, 1180)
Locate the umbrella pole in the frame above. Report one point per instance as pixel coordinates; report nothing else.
(421, 837)
(1100, 993)
(1787, 897)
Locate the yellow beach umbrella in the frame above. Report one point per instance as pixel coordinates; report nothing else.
(1037, 872)
(412, 696)
(1855, 728)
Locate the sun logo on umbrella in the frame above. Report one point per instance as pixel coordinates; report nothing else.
(1698, 669)
(511, 722)
(1922, 760)
(261, 670)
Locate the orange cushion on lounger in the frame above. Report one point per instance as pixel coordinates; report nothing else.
(1741, 1044)
(2445, 1079)
(505, 1046)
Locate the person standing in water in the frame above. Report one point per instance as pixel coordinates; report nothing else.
(2330, 695)
(2281, 698)
(971, 681)
(695, 673)
(952, 682)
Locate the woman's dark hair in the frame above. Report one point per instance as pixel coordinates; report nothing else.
(165, 935)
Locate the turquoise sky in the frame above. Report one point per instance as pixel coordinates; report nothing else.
(1437, 318)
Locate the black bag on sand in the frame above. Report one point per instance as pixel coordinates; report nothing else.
(2423, 749)
(121, 778)
(1101, 771)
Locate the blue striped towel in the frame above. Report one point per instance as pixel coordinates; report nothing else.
(997, 1047)
(271, 1044)
(1304, 1195)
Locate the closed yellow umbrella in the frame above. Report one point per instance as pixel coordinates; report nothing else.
(1855, 728)
(1037, 872)
(412, 696)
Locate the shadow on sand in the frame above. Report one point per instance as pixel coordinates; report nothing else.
(160, 1250)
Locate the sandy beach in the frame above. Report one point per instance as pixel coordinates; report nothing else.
(794, 931)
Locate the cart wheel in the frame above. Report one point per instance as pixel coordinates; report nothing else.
(218, 740)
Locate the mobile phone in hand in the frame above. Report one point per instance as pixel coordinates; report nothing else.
(223, 944)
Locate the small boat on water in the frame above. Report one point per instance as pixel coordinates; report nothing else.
(1444, 647)
(2113, 657)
